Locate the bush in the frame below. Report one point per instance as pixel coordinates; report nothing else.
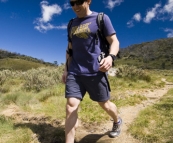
(132, 73)
(37, 79)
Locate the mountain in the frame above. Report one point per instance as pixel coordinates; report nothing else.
(156, 54)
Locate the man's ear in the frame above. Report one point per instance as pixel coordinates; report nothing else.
(89, 2)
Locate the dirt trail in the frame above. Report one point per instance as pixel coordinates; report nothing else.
(128, 114)
(87, 133)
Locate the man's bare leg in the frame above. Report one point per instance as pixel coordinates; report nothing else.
(111, 109)
(71, 119)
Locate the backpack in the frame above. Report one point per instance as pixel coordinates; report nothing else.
(100, 33)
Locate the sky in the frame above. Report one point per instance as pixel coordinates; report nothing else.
(38, 28)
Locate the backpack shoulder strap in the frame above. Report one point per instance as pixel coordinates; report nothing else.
(68, 28)
(100, 21)
(70, 23)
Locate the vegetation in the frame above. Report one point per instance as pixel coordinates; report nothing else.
(40, 92)
(149, 55)
(19, 64)
(16, 61)
(9, 134)
(155, 123)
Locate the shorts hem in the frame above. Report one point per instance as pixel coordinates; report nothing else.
(102, 100)
(74, 97)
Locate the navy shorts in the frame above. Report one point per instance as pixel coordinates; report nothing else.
(96, 86)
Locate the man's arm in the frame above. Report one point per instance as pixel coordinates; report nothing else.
(106, 63)
(114, 44)
(68, 60)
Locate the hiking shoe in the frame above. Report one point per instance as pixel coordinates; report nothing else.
(116, 130)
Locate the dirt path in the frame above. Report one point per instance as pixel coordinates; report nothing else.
(86, 133)
(128, 114)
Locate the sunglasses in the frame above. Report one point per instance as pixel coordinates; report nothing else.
(78, 2)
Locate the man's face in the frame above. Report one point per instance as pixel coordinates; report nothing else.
(80, 7)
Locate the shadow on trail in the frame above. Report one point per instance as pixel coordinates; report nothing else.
(93, 138)
(45, 133)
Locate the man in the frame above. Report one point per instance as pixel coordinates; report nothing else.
(85, 73)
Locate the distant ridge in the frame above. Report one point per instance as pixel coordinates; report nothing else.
(16, 61)
(157, 54)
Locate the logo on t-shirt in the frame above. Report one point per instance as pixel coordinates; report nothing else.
(81, 31)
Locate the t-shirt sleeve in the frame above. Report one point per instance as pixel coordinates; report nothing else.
(108, 27)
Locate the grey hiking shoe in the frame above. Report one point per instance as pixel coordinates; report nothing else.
(116, 129)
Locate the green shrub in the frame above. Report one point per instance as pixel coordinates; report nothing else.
(38, 79)
(132, 73)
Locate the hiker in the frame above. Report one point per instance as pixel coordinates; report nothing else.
(85, 70)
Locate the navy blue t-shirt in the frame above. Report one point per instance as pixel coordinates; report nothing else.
(85, 49)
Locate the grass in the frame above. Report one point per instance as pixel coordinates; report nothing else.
(155, 64)
(129, 100)
(155, 123)
(9, 134)
(91, 112)
(18, 64)
(49, 101)
(167, 74)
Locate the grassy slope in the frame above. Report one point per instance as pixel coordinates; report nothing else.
(18, 64)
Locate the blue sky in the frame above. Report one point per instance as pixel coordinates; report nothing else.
(37, 28)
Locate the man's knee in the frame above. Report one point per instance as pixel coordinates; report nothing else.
(107, 105)
(72, 105)
(104, 104)
(70, 109)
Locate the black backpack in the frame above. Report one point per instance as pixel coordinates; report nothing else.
(100, 33)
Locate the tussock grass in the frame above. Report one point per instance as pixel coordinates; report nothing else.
(49, 102)
(128, 100)
(18, 98)
(155, 123)
(91, 112)
(167, 74)
(9, 134)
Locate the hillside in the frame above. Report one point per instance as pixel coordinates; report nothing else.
(156, 54)
(16, 61)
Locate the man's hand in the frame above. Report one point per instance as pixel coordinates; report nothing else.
(105, 64)
(64, 76)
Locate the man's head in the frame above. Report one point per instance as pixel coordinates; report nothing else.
(80, 7)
